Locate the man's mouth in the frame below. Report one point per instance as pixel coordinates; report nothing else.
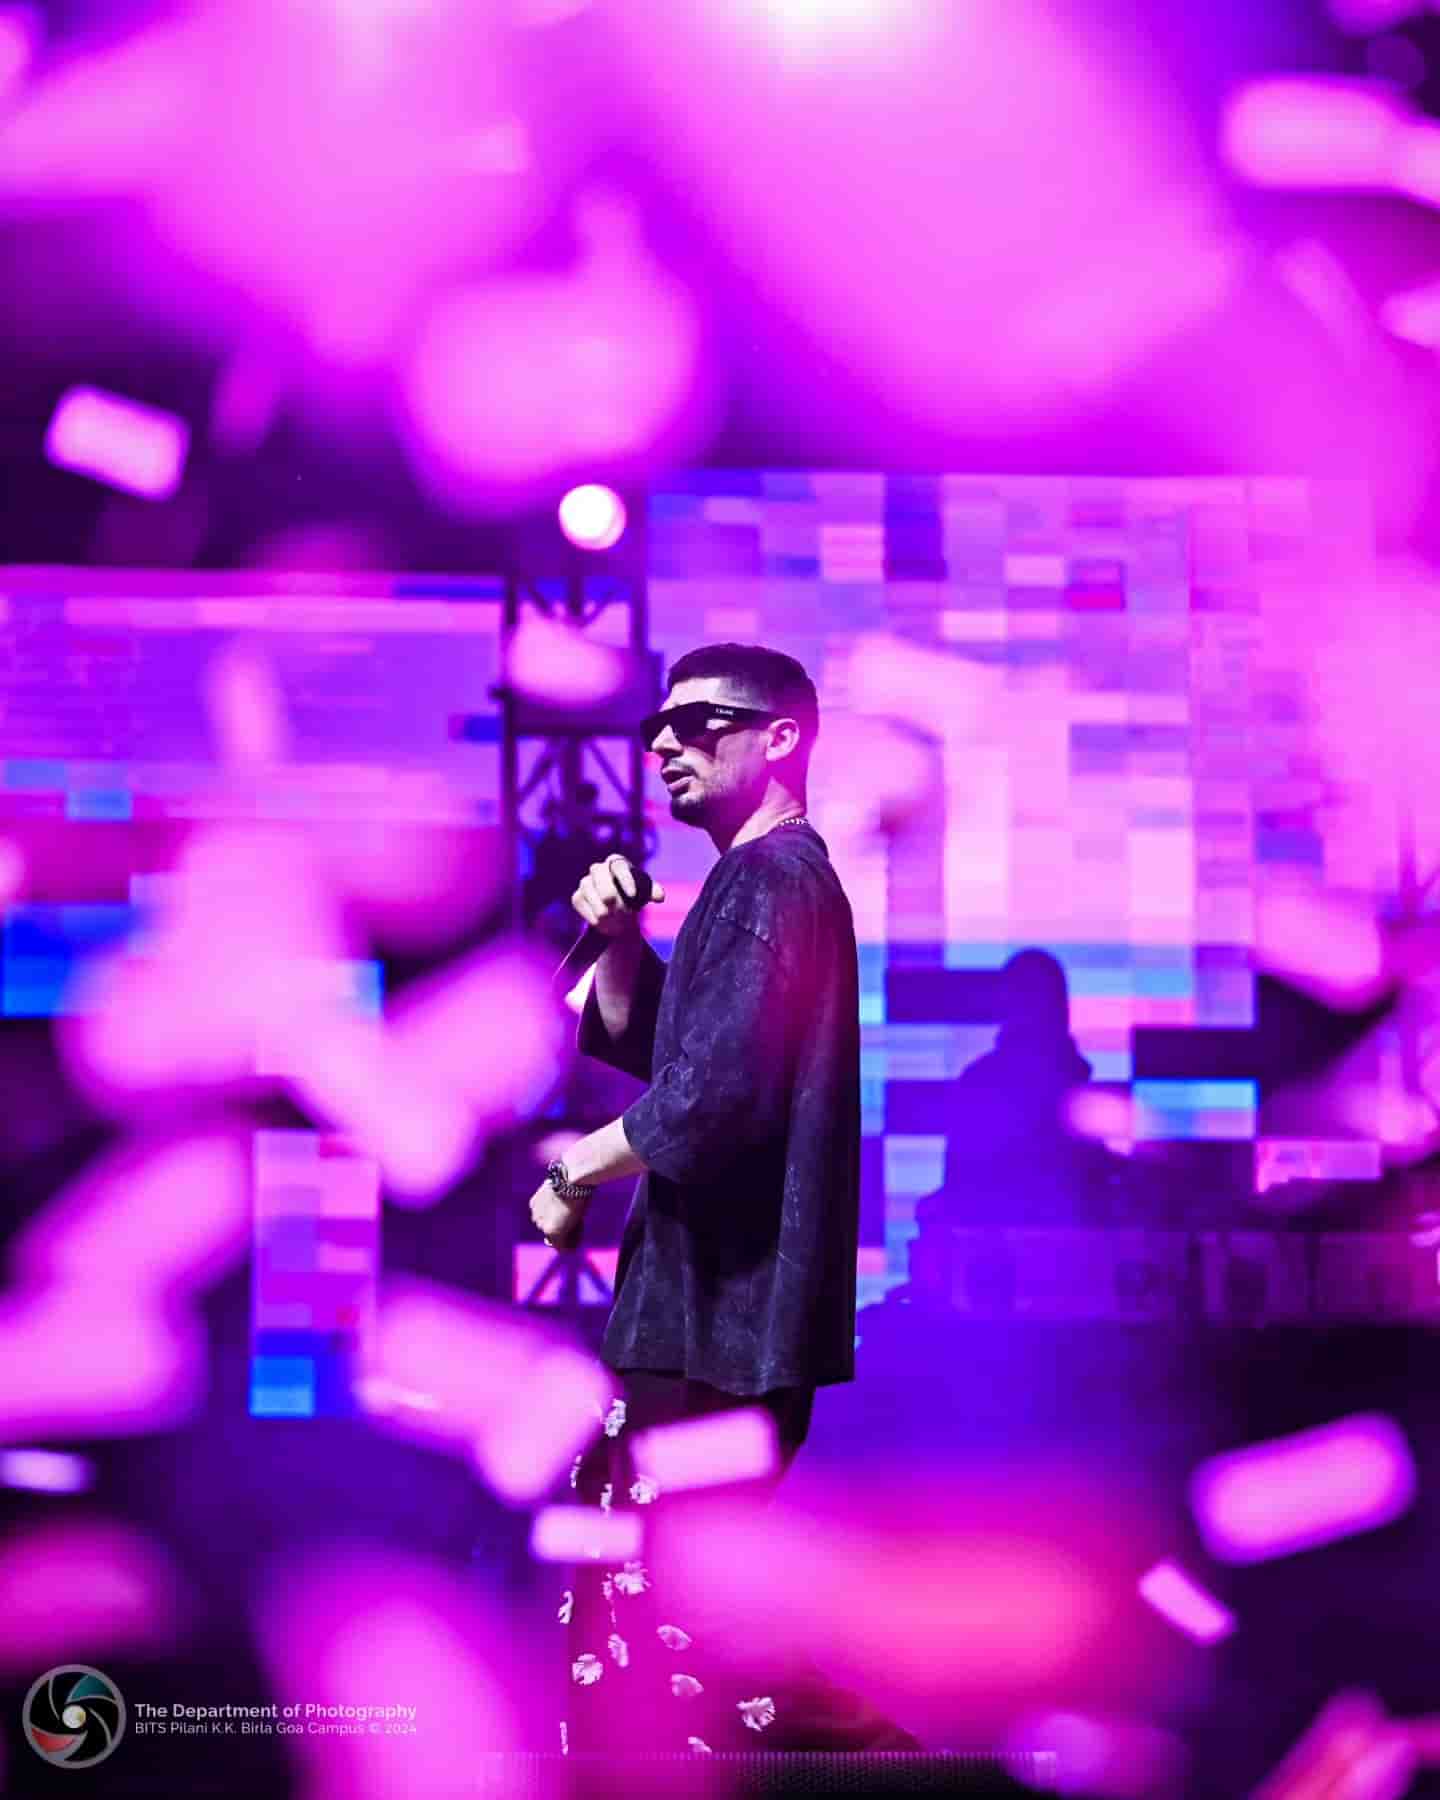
(673, 777)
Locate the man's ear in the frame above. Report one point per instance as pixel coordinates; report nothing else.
(784, 739)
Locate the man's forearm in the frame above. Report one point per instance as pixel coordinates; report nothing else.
(616, 977)
(603, 1156)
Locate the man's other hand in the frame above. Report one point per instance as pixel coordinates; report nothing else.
(559, 1222)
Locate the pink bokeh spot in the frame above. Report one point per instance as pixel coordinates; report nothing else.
(410, 1644)
(136, 448)
(246, 708)
(577, 1534)
(733, 1446)
(551, 662)
(484, 1384)
(514, 381)
(98, 1336)
(1102, 1757)
(84, 1589)
(1179, 1598)
(1297, 1493)
(20, 35)
(875, 1581)
(1325, 942)
(1314, 132)
(1022, 151)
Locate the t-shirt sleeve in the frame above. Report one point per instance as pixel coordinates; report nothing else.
(727, 1088)
(631, 1053)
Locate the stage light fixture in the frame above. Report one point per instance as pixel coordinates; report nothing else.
(592, 517)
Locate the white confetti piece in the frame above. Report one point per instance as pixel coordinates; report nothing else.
(758, 1713)
(567, 1607)
(685, 1687)
(673, 1638)
(575, 1470)
(700, 1745)
(607, 1495)
(615, 1419)
(564, 1738)
(619, 1650)
(607, 1588)
(632, 1579)
(643, 1490)
(587, 1669)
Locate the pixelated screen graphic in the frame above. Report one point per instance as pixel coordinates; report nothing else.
(1133, 765)
(316, 1268)
(104, 691)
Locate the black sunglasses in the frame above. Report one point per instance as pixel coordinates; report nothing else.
(696, 720)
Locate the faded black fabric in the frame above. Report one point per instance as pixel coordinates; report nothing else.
(737, 1264)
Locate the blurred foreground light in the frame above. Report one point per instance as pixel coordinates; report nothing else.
(1299, 1492)
(568, 1534)
(45, 1471)
(120, 442)
(1414, 315)
(516, 381)
(1176, 1597)
(82, 1588)
(1307, 132)
(592, 517)
(736, 1446)
(1121, 1759)
(1365, 16)
(20, 33)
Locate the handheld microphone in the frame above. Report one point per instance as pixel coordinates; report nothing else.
(592, 943)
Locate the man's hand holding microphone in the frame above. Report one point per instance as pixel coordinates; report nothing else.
(608, 899)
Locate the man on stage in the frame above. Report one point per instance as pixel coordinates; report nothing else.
(735, 1284)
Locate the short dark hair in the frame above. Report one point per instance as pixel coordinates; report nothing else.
(759, 677)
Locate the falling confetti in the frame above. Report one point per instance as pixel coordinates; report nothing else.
(587, 1669)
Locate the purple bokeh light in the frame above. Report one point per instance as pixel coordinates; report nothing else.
(1297, 1493)
(46, 1471)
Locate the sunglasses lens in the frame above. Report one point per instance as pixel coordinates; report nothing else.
(686, 722)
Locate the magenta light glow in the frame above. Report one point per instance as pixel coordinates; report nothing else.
(415, 1669)
(552, 662)
(1179, 1598)
(733, 1446)
(1113, 1758)
(1299, 1492)
(592, 517)
(84, 1589)
(512, 383)
(1327, 943)
(1036, 1609)
(108, 1270)
(129, 446)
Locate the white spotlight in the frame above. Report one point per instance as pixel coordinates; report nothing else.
(592, 517)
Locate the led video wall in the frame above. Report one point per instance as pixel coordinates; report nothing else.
(1140, 762)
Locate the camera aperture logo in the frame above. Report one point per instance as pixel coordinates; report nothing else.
(74, 1716)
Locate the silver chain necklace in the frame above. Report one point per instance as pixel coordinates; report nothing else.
(799, 819)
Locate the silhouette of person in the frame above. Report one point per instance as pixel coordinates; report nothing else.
(1010, 1158)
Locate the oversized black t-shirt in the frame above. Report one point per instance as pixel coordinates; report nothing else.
(737, 1264)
